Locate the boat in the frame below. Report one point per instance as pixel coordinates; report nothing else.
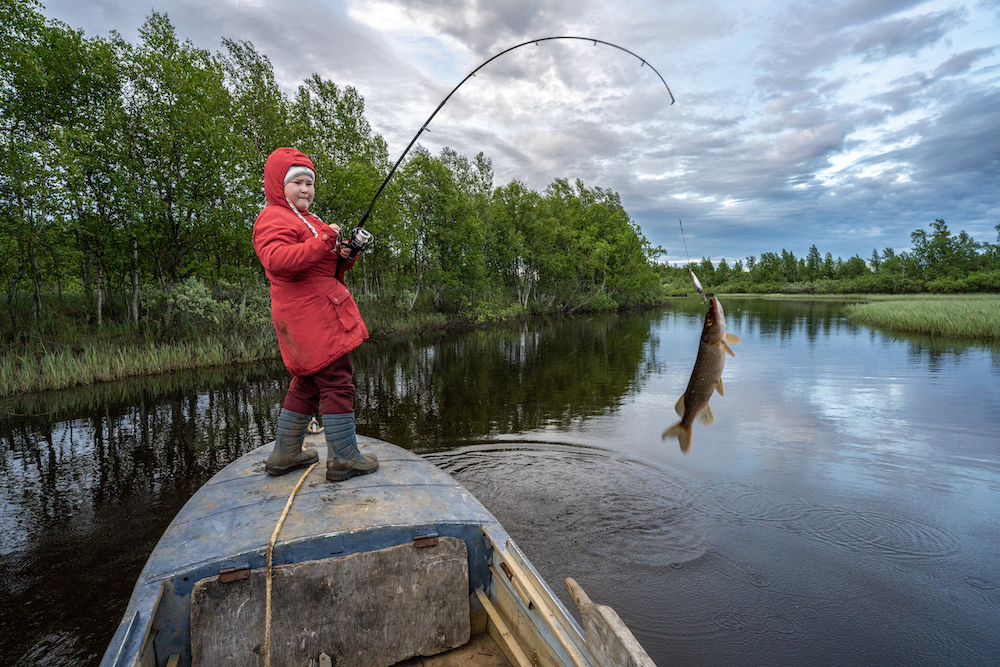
(402, 566)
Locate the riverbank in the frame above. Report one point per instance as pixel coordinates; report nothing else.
(105, 360)
(966, 316)
(970, 316)
(128, 354)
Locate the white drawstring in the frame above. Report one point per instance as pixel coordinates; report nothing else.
(296, 211)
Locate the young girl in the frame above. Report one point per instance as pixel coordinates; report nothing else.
(315, 317)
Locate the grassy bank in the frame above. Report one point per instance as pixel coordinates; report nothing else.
(115, 357)
(54, 365)
(103, 361)
(976, 316)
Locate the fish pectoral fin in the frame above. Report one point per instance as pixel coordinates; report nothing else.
(682, 434)
(718, 387)
(733, 339)
(706, 416)
(679, 406)
(726, 348)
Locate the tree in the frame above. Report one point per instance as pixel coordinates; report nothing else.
(512, 230)
(943, 255)
(814, 263)
(47, 88)
(179, 129)
(443, 236)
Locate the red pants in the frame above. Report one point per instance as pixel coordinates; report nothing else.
(331, 388)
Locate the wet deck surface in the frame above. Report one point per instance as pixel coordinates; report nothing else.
(480, 651)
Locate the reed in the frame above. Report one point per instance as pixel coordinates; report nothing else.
(104, 362)
(975, 316)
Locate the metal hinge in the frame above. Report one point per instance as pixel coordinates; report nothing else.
(428, 540)
(234, 571)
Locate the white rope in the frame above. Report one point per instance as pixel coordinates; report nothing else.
(270, 553)
(311, 228)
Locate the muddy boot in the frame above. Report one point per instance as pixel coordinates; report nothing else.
(343, 458)
(288, 453)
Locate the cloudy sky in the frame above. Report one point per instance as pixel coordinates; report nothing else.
(841, 123)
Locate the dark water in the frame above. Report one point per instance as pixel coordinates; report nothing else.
(844, 508)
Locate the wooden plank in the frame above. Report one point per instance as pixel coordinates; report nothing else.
(526, 628)
(503, 637)
(568, 643)
(377, 607)
(608, 638)
(514, 553)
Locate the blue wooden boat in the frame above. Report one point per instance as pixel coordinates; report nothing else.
(402, 566)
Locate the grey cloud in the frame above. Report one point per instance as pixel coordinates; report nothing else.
(962, 143)
(804, 43)
(906, 36)
(961, 63)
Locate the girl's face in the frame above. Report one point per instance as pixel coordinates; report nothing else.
(300, 191)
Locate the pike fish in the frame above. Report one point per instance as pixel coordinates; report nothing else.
(706, 377)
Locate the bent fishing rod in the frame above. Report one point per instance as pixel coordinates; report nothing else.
(360, 238)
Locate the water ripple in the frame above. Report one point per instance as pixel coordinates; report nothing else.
(606, 505)
(876, 532)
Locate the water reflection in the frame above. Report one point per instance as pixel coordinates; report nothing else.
(92, 478)
(851, 482)
(512, 380)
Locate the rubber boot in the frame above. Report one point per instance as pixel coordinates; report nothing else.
(343, 458)
(288, 453)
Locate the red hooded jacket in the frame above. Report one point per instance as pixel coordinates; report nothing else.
(314, 315)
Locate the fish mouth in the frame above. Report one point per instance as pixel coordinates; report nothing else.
(715, 321)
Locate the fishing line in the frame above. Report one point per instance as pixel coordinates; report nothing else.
(694, 278)
(685, 241)
(423, 128)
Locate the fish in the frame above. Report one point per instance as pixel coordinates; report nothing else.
(706, 378)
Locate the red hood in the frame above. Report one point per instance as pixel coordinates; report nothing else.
(277, 165)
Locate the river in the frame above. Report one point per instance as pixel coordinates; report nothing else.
(843, 508)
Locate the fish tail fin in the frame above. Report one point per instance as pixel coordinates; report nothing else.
(682, 434)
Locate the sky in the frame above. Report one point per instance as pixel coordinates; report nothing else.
(845, 124)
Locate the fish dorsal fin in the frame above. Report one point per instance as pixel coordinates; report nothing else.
(733, 339)
(706, 416)
(679, 407)
(726, 348)
(718, 387)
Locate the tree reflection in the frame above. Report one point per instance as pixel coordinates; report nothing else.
(436, 395)
(92, 478)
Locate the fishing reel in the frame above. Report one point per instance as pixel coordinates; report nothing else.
(358, 241)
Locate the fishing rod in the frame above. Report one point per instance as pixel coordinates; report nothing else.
(360, 238)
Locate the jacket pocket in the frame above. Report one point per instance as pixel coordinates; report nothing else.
(345, 309)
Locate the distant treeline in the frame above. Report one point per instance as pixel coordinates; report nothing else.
(131, 174)
(939, 262)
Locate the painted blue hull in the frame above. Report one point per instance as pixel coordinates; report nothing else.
(224, 531)
(229, 522)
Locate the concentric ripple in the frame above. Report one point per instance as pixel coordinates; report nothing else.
(604, 505)
(875, 532)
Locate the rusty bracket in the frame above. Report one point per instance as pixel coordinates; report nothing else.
(423, 541)
(231, 574)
